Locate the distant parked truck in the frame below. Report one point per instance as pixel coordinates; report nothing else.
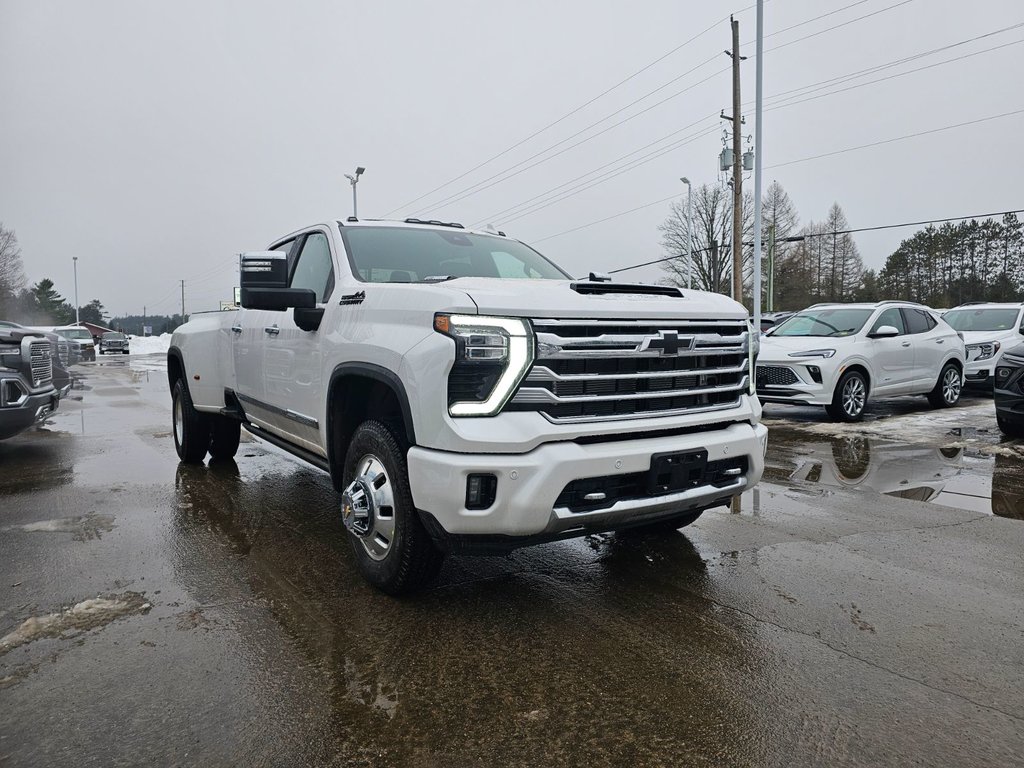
(113, 342)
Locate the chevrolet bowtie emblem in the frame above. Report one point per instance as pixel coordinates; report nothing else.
(668, 342)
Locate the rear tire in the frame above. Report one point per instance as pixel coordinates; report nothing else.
(190, 427)
(947, 389)
(225, 434)
(850, 398)
(395, 554)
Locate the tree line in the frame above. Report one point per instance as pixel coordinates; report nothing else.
(938, 266)
(813, 263)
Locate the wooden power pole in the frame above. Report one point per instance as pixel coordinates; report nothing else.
(737, 169)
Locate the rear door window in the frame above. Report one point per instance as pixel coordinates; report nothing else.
(917, 320)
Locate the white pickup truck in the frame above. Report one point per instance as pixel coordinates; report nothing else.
(467, 395)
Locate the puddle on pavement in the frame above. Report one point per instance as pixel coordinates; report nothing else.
(957, 474)
(82, 527)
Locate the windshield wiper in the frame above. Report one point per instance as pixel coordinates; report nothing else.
(438, 278)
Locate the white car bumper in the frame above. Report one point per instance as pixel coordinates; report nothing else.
(810, 381)
(526, 502)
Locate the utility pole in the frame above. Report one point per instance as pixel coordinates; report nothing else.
(758, 151)
(75, 259)
(182, 301)
(771, 268)
(737, 169)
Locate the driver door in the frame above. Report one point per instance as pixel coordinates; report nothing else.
(893, 357)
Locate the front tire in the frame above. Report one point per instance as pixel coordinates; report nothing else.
(948, 388)
(393, 550)
(191, 428)
(850, 398)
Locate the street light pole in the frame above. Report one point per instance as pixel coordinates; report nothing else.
(353, 180)
(689, 232)
(75, 259)
(758, 153)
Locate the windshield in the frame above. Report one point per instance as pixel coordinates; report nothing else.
(75, 333)
(113, 336)
(839, 321)
(982, 319)
(405, 255)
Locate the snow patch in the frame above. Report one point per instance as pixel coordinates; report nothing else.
(86, 615)
(150, 345)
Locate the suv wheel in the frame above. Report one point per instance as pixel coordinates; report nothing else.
(850, 397)
(392, 548)
(191, 428)
(947, 389)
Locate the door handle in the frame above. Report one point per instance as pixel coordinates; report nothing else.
(905, 344)
(236, 329)
(273, 330)
(940, 341)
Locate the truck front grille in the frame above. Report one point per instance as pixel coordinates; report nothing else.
(41, 363)
(596, 370)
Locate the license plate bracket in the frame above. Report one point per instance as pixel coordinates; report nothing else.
(678, 471)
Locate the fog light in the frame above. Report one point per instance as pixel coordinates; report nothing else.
(815, 372)
(1003, 373)
(480, 491)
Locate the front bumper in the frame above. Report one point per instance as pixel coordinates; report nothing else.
(529, 484)
(797, 383)
(34, 410)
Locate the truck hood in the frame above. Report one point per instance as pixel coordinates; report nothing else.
(15, 335)
(557, 298)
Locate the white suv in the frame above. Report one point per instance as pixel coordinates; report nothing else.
(839, 355)
(988, 330)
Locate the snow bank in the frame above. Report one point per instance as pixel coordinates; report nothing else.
(150, 345)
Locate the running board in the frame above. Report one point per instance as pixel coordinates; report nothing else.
(300, 453)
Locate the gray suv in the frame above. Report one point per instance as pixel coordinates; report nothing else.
(27, 394)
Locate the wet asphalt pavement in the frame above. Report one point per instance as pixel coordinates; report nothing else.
(864, 606)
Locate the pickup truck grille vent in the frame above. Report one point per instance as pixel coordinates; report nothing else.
(596, 370)
(41, 363)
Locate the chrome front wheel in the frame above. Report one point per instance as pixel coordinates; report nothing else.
(368, 507)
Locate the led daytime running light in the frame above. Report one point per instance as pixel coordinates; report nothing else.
(517, 363)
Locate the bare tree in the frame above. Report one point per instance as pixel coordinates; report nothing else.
(712, 239)
(12, 273)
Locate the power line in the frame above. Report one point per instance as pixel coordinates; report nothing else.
(897, 138)
(840, 26)
(529, 210)
(567, 115)
(482, 185)
(831, 233)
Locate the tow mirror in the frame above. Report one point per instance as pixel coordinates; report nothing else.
(264, 269)
(885, 332)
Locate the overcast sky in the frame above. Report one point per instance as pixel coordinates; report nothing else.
(156, 140)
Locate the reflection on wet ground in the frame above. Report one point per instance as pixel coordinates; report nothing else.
(820, 623)
(960, 460)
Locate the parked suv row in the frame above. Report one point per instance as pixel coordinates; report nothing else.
(989, 329)
(842, 355)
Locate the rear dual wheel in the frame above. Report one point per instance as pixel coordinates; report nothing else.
(197, 433)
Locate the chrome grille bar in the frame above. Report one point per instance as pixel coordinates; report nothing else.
(40, 362)
(538, 395)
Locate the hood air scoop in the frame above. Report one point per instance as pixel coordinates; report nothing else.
(595, 288)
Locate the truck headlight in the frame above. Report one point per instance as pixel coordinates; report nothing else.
(492, 355)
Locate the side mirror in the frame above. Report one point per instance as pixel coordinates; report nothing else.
(884, 332)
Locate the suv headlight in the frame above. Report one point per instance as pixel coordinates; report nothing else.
(986, 349)
(492, 355)
(814, 353)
